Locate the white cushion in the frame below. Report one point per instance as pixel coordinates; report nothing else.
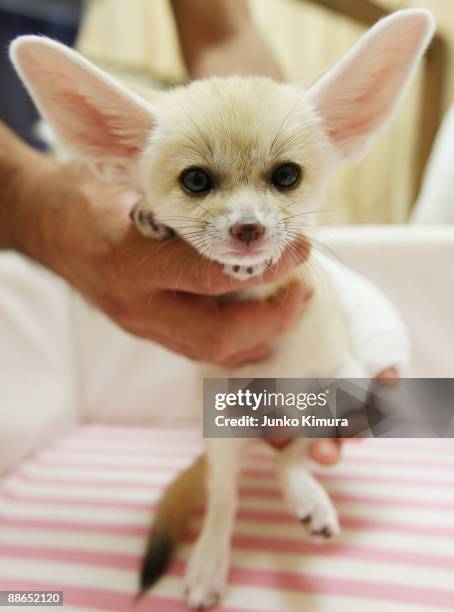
(37, 379)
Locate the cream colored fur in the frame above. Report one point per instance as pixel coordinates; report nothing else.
(238, 129)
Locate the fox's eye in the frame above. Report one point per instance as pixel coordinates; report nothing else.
(286, 176)
(196, 180)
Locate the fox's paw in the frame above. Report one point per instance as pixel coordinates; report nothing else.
(206, 574)
(312, 505)
(148, 226)
(320, 520)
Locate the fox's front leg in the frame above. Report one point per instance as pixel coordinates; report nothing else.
(305, 496)
(207, 569)
(147, 224)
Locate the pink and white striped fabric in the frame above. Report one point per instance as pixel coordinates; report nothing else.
(75, 516)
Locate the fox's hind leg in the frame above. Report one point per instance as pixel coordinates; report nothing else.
(207, 569)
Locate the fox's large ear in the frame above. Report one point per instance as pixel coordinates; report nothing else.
(359, 95)
(93, 115)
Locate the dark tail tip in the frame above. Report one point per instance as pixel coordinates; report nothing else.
(157, 558)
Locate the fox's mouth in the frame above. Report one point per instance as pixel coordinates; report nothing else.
(244, 253)
(247, 252)
(244, 257)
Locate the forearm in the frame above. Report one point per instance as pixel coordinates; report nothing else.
(219, 38)
(243, 53)
(23, 172)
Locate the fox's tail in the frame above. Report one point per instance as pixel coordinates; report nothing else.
(171, 521)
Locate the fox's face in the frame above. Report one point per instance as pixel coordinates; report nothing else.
(233, 166)
(236, 166)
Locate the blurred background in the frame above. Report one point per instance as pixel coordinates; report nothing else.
(137, 40)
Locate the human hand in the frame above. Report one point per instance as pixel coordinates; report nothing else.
(162, 291)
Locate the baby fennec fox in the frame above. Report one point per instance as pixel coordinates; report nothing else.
(234, 166)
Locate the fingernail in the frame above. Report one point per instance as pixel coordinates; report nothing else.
(258, 353)
(325, 451)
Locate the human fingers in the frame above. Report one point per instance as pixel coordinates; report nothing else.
(326, 451)
(201, 328)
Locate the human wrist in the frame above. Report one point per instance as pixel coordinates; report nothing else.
(23, 175)
(33, 224)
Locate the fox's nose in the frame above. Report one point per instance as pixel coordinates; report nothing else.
(247, 232)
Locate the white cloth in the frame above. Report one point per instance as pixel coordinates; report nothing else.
(379, 336)
(414, 266)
